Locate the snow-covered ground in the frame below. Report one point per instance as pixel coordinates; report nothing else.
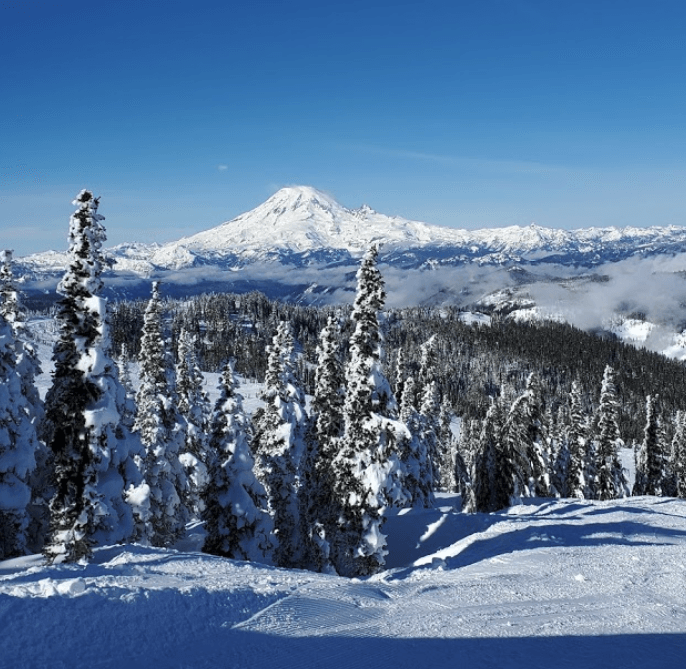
(546, 584)
(632, 330)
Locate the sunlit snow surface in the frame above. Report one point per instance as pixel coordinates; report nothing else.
(546, 584)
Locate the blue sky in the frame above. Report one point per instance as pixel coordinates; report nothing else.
(476, 113)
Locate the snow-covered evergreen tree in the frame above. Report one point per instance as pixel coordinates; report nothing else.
(469, 441)
(367, 467)
(657, 468)
(575, 481)
(408, 408)
(18, 446)
(93, 464)
(428, 363)
(518, 448)
(448, 446)
(429, 406)
(162, 430)
(463, 461)
(235, 503)
(414, 453)
(28, 365)
(493, 472)
(591, 478)
(429, 412)
(124, 367)
(649, 455)
(534, 395)
(640, 459)
(678, 464)
(318, 508)
(526, 444)
(669, 482)
(400, 372)
(279, 443)
(538, 453)
(192, 404)
(559, 449)
(28, 368)
(611, 480)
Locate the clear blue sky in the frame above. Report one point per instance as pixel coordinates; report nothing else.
(468, 113)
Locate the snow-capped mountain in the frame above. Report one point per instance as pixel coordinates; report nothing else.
(301, 225)
(300, 220)
(303, 245)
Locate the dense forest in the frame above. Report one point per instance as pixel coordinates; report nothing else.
(475, 360)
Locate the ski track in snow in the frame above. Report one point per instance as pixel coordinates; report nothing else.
(564, 584)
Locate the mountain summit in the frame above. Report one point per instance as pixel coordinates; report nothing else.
(297, 220)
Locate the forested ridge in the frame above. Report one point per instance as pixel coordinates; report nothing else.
(475, 361)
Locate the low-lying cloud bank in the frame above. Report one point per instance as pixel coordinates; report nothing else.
(651, 289)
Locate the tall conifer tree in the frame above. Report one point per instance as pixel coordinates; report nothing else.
(367, 467)
(538, 450)
(28, 368)
(192, 404)
(575, 481)
(649, 454)
(517, 447)
(679, 455)
(611, 480)
(18, 446)
(418, 473)
(162, 430)
(278, 443)
(493, 476)
(448, 446)
(429, 411)
(464, 450)
(92, 461)
(28, 365)
(318, 508)
(235, 510)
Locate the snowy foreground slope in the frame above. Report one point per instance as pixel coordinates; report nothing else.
(547, 584)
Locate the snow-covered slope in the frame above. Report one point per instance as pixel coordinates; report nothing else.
(567, 584)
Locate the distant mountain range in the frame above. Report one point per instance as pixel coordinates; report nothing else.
(302, 226)
(302, 245)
